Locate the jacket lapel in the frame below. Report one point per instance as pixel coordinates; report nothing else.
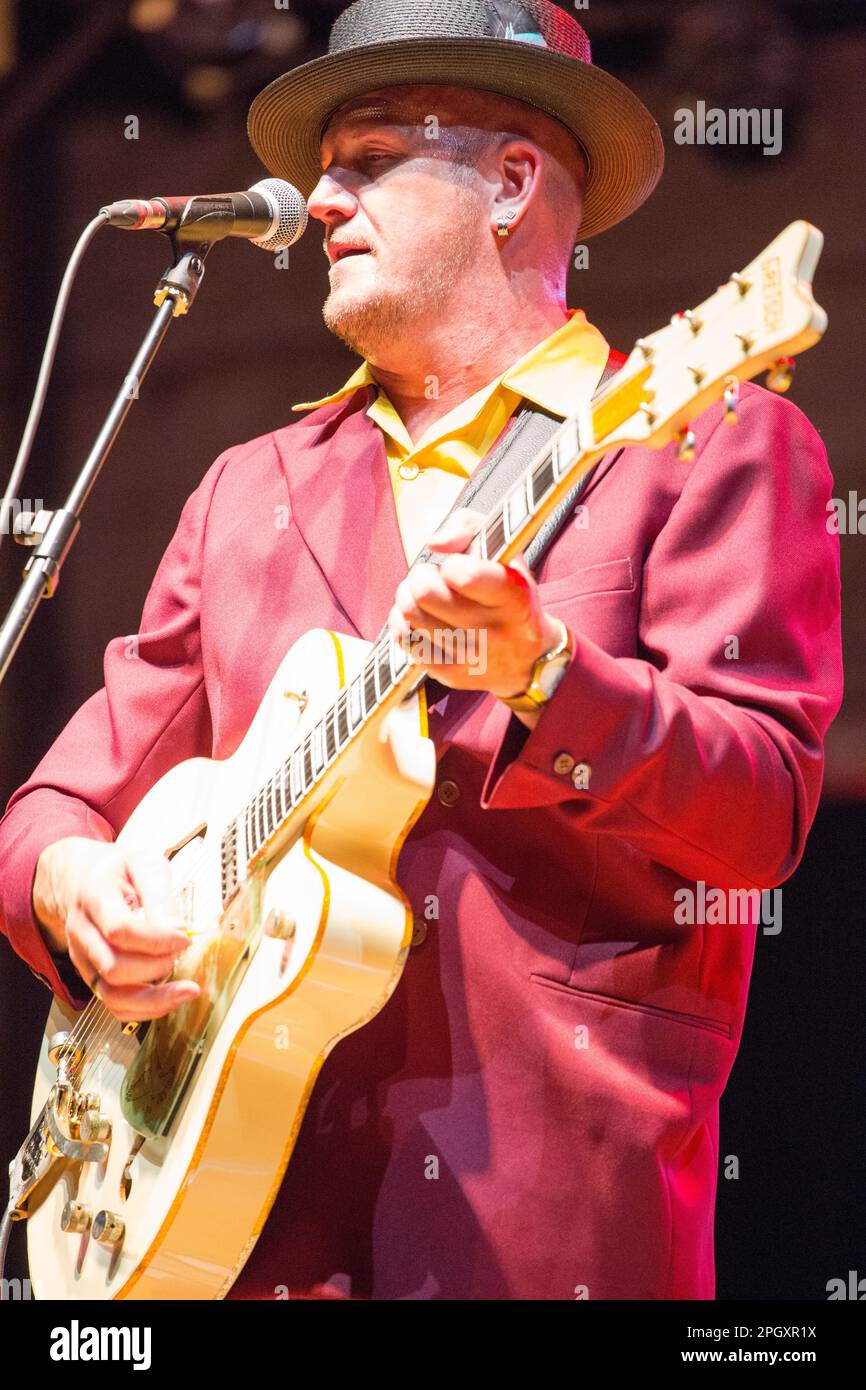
(343, 506)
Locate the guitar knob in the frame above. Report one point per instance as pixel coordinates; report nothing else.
(95, 1126)
(780, 375)
(732, 400)
(281, 926)
(75, 1218)
(107, 1228)
(686, 446)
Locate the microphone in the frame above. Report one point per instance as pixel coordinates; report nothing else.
(272, 214)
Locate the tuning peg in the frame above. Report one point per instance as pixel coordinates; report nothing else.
(742, 284)
(646, 348)
(781, 374)
(686, 442)
(694, 322)
(732, 400)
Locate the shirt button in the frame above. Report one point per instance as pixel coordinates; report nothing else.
(448, 792)
(419, 931)
(563, 764)
(408, 471)
(580, 777)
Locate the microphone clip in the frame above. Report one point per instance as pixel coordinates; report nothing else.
(182, 281)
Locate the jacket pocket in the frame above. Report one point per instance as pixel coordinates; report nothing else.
(610, 576)
(707, 1025)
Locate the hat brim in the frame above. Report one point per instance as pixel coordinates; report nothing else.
(622, 142)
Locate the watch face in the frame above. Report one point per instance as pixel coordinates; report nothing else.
(552, 674)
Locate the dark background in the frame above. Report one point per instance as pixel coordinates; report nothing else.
(71, 72)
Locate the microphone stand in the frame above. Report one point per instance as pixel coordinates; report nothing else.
(51, 534)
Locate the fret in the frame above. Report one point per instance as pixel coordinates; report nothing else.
(543, 479)
(266, 811)
(554, 456)
(517, 508)
(494, 536)
(569, 437)
(399, 661)
(506, 520)
(308, 764)
(335, 722)
(383, 664)
(318, 749)
(345, 728)
(261, 833)
(278, 816)
(248, 852)
(330, 739)
(531, 496)
(356, 704)
(374, 668)
(369, 689)
(284, 788)
(296, 777)
(481, 539)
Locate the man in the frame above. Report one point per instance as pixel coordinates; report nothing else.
(534, 1114)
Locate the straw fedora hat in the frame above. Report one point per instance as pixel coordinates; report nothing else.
(531, 51)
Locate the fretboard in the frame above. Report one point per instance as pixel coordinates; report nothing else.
(388, 674)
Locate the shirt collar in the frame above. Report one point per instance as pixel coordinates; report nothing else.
(557, 374)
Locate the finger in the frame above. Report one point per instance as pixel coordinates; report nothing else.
(425, 584)
(150, 876)
(129, 968)
(458, 530)
(492, 585)
(88, 951)
(425, 603)
(145, 1001)
(128, 929)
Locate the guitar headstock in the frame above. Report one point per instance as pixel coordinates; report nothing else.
(758, 321)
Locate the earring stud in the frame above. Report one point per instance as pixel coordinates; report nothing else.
(504, 219)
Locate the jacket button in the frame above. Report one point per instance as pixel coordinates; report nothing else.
(580, 777)
(563, 764)
(448, 792)
(419, 931)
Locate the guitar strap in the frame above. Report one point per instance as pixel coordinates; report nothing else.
(528, 431)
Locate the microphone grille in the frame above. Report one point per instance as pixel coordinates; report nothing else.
(290, 214)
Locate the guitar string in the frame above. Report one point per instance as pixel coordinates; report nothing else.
(90, 1033)
(96, 1029)
(94, 1026)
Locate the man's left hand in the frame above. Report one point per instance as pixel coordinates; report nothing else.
(472, 624)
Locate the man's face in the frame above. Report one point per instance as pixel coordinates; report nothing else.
(404, 221)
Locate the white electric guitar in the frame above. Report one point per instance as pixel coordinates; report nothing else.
(157, 1149)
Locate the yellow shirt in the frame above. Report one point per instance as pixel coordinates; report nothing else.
(559, 374)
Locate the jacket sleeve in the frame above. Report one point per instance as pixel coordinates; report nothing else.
(151, 714)
(706, 751)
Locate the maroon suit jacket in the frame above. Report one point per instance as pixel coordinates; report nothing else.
(534, 1114)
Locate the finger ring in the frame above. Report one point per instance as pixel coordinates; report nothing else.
(94, 982)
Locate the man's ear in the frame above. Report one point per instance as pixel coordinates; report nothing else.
(519, 166)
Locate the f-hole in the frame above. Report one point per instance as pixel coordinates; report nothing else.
(197, 834)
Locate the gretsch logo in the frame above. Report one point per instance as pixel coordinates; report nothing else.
(771, 288)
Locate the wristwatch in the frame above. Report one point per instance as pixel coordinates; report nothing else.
(547, 672)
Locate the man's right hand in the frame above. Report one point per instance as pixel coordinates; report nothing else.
(109, 911)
